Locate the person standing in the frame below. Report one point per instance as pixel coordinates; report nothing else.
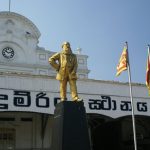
(65, 64)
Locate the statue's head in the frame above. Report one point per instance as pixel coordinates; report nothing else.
(66, 44)
(66, 47)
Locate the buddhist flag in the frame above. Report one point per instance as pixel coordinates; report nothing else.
(122, 65)
(148, 72)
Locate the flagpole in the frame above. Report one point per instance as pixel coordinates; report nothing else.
(9, 4)
(132, 104)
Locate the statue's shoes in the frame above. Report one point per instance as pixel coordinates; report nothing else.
(63, 99)
(78, 100)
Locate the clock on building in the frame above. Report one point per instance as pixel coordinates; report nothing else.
(8, 52)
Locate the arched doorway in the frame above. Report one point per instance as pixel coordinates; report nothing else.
(118, 133)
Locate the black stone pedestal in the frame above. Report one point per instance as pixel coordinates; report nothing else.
(70, 131)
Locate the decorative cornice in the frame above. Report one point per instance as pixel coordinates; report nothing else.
(7, 14)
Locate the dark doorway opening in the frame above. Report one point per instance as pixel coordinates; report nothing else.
(117, 134)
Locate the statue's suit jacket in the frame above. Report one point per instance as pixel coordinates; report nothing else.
(64, 63)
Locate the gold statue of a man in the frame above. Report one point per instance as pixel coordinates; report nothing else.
(65, 64)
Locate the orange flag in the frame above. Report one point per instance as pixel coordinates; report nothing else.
(122, 65)
(148, 72)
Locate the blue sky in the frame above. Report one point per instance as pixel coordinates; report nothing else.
(99, 27)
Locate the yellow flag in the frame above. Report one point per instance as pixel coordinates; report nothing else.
(122, 65)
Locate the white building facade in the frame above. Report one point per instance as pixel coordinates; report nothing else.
(29, 93)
